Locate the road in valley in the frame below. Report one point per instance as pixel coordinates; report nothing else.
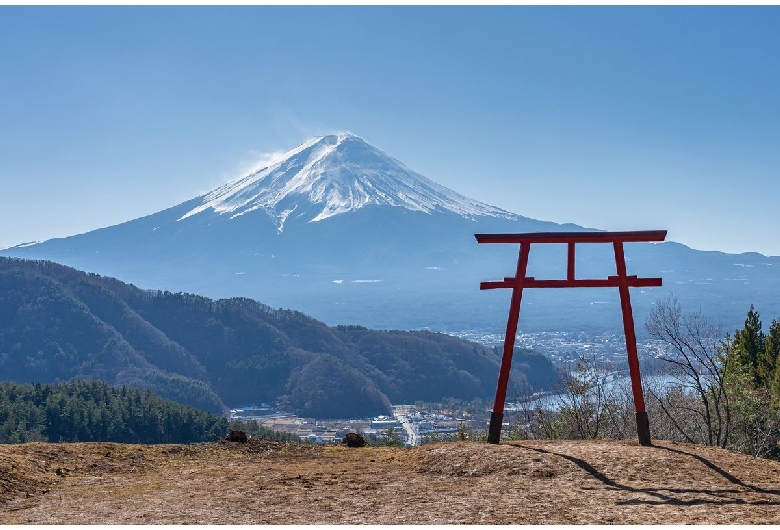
(401, 413)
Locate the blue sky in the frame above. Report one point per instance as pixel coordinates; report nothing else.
(618, 118)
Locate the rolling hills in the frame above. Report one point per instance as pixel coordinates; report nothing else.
(57, 323)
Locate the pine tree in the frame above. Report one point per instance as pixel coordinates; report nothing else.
(772, 359)
(748, 348)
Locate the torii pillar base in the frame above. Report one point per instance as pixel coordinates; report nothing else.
(643, 428)
(494, 431)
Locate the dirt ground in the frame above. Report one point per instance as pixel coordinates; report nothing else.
(531, 482)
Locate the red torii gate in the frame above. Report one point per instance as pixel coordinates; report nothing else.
(520, 281)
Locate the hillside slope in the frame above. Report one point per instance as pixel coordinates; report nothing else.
(57, 323)
(530, 482)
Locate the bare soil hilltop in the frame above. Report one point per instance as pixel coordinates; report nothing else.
(263, 482)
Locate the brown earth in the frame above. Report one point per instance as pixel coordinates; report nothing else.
(262, 482)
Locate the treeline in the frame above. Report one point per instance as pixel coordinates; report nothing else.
(90, 411)
(715, 388)
(751, 387)
(755, 355)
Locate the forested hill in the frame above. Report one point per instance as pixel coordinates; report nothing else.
(58, 323)
(91, 411)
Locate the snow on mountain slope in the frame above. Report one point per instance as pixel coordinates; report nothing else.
(332, 175)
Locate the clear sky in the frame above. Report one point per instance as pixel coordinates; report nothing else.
(620, 118)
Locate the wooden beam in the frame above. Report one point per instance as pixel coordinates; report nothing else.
(574, 237)
(532, 283)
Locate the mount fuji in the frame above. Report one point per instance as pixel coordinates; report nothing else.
(333, 175)
(340, 230)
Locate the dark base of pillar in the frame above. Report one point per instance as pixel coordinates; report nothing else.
(643, 428)
(494, 432)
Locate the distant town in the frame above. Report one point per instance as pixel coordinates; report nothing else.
(415, 423)
(564, 347)
(410, 423)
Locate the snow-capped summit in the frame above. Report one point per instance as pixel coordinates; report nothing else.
(332, 175)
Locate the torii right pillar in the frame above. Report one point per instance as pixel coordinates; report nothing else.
(622, 281)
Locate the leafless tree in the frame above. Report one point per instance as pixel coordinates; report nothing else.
(696, 356)
(584, 406)
(619, 413)
(583, 400)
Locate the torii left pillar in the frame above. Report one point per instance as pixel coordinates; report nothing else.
(622, 281)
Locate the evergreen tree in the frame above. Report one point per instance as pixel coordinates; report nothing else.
(748, 348)
(772, 359)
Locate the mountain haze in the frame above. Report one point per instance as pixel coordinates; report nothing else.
(343, 231)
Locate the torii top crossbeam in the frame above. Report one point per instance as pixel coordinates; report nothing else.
(574, 237)
(622, 281)
(571, 238)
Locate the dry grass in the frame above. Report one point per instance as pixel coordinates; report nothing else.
(260, 482)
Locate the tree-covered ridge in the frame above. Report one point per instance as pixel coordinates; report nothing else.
(90, 411)
(58, 323)
(758, 354)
